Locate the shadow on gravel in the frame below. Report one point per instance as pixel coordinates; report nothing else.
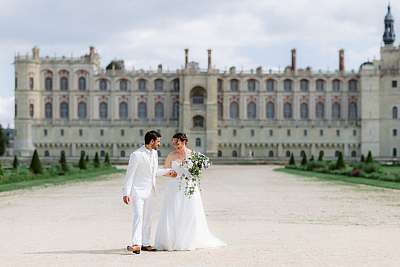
(100, 251)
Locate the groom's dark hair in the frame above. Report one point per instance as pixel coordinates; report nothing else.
(151, 135)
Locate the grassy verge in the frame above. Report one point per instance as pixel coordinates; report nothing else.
(45, 180)
(341, 178)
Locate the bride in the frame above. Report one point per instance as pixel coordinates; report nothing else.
(182, 224)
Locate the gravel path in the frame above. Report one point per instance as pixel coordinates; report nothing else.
(267, 218)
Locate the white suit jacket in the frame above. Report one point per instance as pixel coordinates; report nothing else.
(140, 178)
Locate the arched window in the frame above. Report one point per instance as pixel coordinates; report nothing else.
(234, 85)
(82, 84)
(251, 85)
(82, 110)
(198, 95)
(287, 85)
(320, 85)
(103, 110)
(220, 85)
(123, 154)
(337, 153)
(288, 153)
(336, 85)
(142, 85)
(48, 83)
(46, 153)
(270, 85)
(234, 154)
(353, 154)
(234, 110)
(142, 110)
(48, 111)
(175, 110)
(320, 110)
(353, 113)
(159, 85)
(304, 85)
(271, 154)
(302, 153)
(159, 110)
(31, 83)
(304, 111)
(198, 142)
(63, 83)
(394, 152)
(335, 111)
(287, 111)
(123, 85)
(251, 110)
(198, 121)
(102, 153)
(64, 110)
(176, 85)
(103, 85)
(353, 85)
(220, 110)
(270, 110)
(123, 110)
(395, 113)
(219, 153)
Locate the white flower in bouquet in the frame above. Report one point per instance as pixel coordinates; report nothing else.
(192, 170)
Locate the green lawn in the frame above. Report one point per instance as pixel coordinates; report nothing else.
(47, 179)
(343, 178)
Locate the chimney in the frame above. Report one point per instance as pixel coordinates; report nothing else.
(293, 59)
(341, 60)
(92, 50)
(209, 59)
(186, 57)
(35, 53)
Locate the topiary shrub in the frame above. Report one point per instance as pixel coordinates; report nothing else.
(321, 156)
(107, 160)
(63, 162)
(87, 158)
(340, 162)
(1, 170)
(96, 160)
(362, 159)
(369, 157)
(36, 165)
(82, 161)
(15, 163)
(312, 158)
(291, 160)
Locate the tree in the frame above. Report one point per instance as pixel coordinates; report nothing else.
(107, 160)
(321, 156)
(312, 158)
(1, 170)
(340, 162)
(369, 157)
(3, 141)
(362, 159)
(87, 158)
(304, 160)
(63, 162)
(15, 163)
(291, 161)
(96, 160)
(82, 161)
(36, 165)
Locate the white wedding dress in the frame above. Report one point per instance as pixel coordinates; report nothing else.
(183, 224)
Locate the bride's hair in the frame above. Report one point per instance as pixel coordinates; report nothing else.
(181, 136)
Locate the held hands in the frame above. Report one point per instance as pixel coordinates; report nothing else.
(172, 173)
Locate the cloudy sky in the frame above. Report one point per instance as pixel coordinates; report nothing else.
(243, 33)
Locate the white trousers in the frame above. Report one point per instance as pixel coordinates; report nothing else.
(142, 219)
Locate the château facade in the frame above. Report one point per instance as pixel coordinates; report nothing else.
(73, 105)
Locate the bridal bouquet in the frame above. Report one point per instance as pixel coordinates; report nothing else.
(192, 168)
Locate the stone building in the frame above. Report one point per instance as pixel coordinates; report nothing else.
(72, 104)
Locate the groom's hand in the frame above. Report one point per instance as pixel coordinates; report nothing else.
(126, 199)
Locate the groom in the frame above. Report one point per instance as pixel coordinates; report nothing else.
(139, 188)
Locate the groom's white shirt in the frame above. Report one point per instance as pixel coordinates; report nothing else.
(140, 178)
